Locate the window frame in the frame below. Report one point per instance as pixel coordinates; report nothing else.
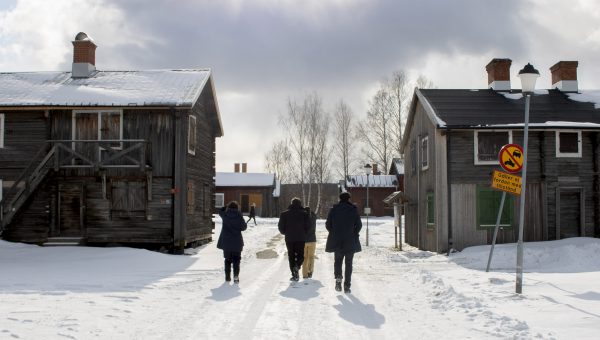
(476, 146)
(424, 153)
(577, 154)
(192, 135)
(413, 156)
(2, 127)
(430, 206)
(222, 199)
(508, 205)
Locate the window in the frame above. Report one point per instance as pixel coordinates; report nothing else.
(488, 203)
(98, 125)
(425, 153)
(191, 198)
(430, 210)
(413, 157)
(219, 200)
(568, 143)
(488, 144)
(1, 130)
(192, 135)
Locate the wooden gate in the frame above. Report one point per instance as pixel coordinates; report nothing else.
(570, 212)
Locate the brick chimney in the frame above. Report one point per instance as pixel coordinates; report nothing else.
(564, 76)
(374, 169)
(244, 167)
(84, 56)
(498, 71)
(236, 167)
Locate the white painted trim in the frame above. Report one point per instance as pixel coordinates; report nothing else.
(1, 130)
(426, 156)
(566, 85)
(222, 195)
(476, 143)
(190, 150)
(559, 154)
(500, 85)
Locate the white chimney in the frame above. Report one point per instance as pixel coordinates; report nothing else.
(564, 76)
(498, 71)
(84, 56)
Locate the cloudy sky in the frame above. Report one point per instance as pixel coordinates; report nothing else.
(263, 52)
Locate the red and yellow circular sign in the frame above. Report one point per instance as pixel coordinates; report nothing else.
(511, 157)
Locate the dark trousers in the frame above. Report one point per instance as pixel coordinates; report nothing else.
(295, 254)
(251, 218)
(347, 258)
(232, 258)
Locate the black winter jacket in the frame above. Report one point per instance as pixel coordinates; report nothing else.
(231, 238)
(293, 223)
(344, 224)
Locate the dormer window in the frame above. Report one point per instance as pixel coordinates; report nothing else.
(568, 144)
(488, 143)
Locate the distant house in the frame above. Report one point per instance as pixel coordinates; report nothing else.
(380, 187)
(397, 169)
(322, 196)
(451, 148)
(97, 156)
(246, 188)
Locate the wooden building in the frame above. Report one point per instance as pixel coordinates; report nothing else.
(247, 189)
(451, 148)
(380, 187)
(123, 157)
(320, 197)
(397, 169)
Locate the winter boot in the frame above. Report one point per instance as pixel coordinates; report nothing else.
(236, 279)
(338, 284)
(347, 287)
(310, 275)
(295, 274)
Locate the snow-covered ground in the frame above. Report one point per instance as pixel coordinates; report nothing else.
(123, 293)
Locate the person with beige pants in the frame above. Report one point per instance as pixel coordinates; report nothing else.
(310, 246)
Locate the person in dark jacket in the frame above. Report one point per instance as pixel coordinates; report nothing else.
(231, 240)
(344, 224)
(293, 223)
(252, 214)
(310, 245)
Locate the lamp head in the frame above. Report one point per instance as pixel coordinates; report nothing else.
(528, 77)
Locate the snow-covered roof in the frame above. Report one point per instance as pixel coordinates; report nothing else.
(103, 88)
(375, 181)
(398, 163)
(244, 179)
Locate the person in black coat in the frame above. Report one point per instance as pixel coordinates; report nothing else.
(344, 224)
(252, 214)
(293, 223)
(231, 240)
(310, 245)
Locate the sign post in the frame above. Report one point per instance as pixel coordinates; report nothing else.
(510, 158)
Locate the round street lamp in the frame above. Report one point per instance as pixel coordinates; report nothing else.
(528, 77)
(367, 208)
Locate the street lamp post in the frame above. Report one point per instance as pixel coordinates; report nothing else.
(367, 208)
(528, 77)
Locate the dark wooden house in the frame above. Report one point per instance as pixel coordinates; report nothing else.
(380, 187)
(120, 157)
(451, 148)
(397, 169)
(247, 189)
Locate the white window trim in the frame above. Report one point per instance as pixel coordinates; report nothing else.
(99, 116)
(222, 195)
(1, 130)
(426, 156)
(189, 149)
(559, 154)
(476, 144)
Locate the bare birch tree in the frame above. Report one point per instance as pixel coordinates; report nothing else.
(277, 161)
(398, 87)
(343, 141)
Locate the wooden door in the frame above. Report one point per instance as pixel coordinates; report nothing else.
(71, 205)
(245, 203)
(85, 128)
(257, 200)
(570, 213)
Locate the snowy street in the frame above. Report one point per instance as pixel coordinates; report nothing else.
(124, 293)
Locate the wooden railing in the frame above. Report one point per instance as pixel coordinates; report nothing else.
(71, 154)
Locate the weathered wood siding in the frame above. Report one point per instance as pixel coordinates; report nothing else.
(24, 135)
(200, 170)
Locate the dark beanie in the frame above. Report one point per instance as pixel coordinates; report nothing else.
(344, 196)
